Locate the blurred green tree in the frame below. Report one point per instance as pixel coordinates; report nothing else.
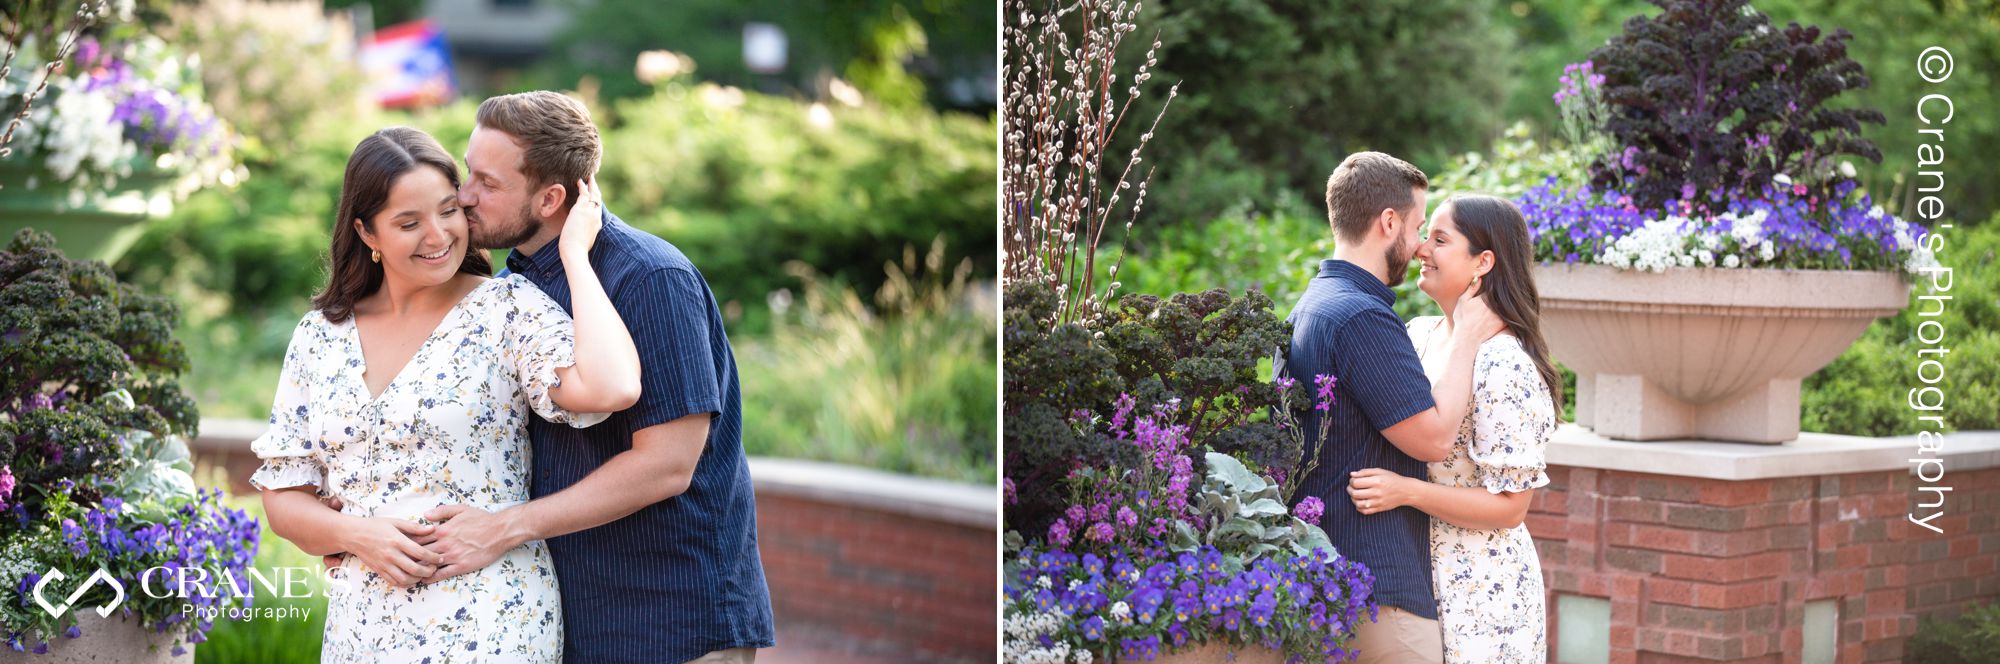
(894, 51)
(1274, 93)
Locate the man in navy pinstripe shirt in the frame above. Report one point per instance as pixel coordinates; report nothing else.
(650, 517)
(1386, 414)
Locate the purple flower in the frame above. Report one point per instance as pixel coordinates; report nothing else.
(1326, 383)
(1127, 518)
(73, 536)
(1310, 510)
(1146, 603)
(1100, 532)
(1093, 629)
(1059, 533)
(1263, 608)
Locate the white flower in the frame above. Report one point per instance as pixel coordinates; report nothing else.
(1121, 611)
(1766, 251)
(1731, 261)
(1749, 230)
(1044, 582)
(1782, 178)
(1846, 169)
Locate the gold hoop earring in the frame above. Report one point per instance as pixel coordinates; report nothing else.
(374, 255)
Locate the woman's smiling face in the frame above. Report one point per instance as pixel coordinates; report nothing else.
(421, 231)
(1446, 262)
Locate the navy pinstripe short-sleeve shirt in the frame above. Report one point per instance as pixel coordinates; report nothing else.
(1343, 325)
(679, 578)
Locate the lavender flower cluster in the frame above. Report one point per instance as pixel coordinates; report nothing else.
(1784, 225)
(150, 114)
(128, 102)
(1579, 79)
(198, 539)
(1148, 602)
(1105, 580)
(1109, 507)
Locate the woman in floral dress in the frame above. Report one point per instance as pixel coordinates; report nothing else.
(1485, 572)
(408, 387)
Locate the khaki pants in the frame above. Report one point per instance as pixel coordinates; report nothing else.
(1397, 637)
(730, 656)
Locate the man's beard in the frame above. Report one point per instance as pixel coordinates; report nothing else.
(1398, 256)
(490, 235)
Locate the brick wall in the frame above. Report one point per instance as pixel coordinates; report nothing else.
(1708, 570)
(927, 586)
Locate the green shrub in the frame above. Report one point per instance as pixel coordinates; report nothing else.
(1274, 93)
(1209, 354)
(906, 385)
(746, 183)
(1973, 638)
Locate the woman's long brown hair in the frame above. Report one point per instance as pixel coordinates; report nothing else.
(378, 161)
(1493, 224)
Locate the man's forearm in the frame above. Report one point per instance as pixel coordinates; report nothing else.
(623, 485)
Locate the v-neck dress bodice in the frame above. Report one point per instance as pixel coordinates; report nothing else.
(451, 427)
(1488, 582)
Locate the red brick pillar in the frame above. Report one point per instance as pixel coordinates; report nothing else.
(1707, 570)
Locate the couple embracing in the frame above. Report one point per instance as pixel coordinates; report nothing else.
(1439, 425)
(538, 466)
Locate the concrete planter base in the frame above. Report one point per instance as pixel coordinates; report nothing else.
(113, 640)
(88, 224)
(1707, 353)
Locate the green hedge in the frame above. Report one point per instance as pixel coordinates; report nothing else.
(1974, 638)
(745, 183)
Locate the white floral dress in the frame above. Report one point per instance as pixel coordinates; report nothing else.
(450, 428)
(1489, 582)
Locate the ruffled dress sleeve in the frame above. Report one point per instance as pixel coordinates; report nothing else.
(290, 447)
(1512, 419)
(541, 338)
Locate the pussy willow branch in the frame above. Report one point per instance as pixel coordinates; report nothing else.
(86, 16)
(1059, 203)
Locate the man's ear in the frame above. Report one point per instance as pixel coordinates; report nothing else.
(1385, 221)
(549, 200)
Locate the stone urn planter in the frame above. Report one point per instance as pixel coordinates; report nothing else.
(1223, 653)
(112, 640)
(91, 224)
(1709, 353)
